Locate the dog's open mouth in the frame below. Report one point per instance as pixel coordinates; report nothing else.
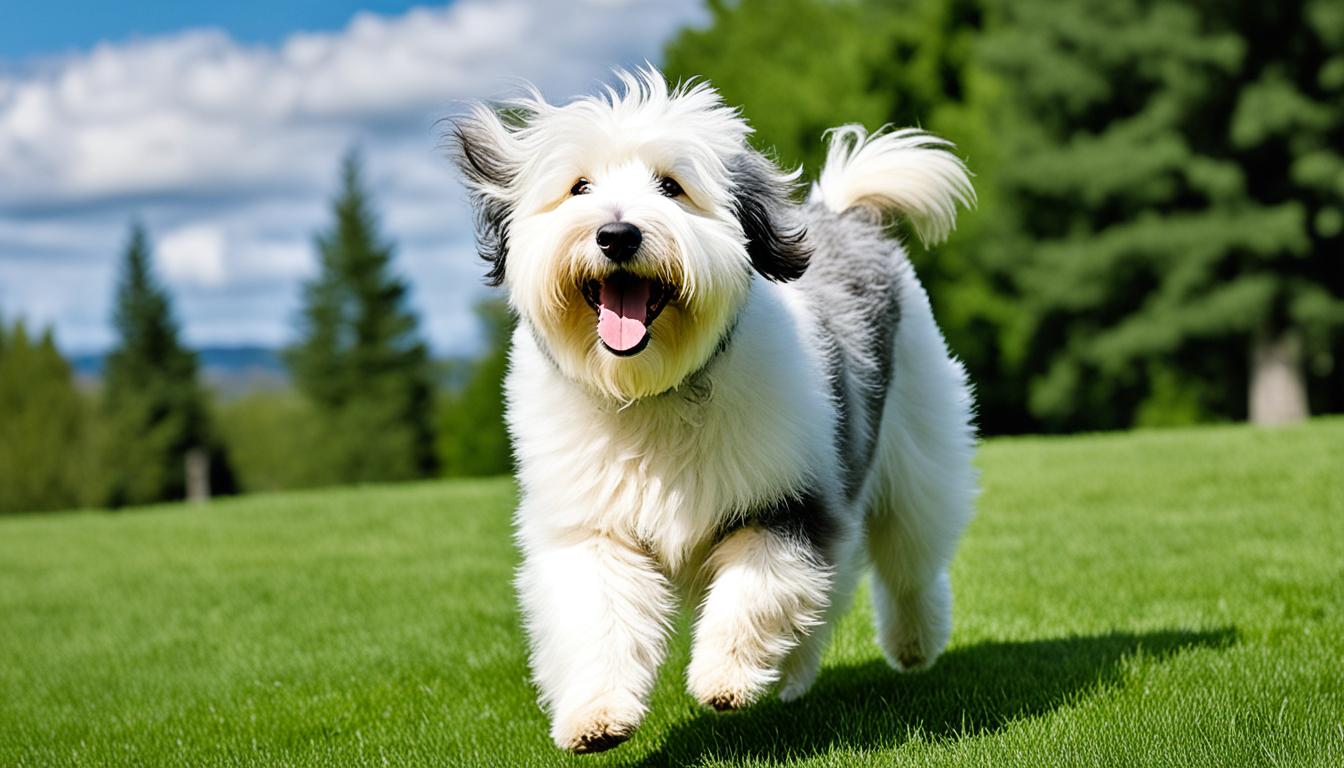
(626, 306)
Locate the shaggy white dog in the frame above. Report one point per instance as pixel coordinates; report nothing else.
(716, 395)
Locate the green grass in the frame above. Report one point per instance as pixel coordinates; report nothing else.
(1144, 599)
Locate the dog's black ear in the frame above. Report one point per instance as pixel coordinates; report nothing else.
(776, 242)
(484, 150)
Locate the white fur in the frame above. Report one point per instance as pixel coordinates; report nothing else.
(623, 141)
(923, 486)
(906, 171)
(632, 469)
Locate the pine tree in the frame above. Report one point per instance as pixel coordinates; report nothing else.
(1162, 204)
(1178, 180)
(472, 438)
(45, 456)
(800, 67)
(360, 359)
(154, 406)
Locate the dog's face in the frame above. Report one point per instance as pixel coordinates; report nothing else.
(627, 228)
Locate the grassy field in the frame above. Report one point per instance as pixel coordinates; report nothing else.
(1159, 598)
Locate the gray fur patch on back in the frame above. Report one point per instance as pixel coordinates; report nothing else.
(852, 285)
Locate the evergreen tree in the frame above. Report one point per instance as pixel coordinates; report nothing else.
(360, 359)
(1178, 181)
(794, 67)
(472, 437)
(1160, 186)
(154, 406)
(45, 456)
(800, 67)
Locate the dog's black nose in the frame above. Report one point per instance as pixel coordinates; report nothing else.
(619, 240)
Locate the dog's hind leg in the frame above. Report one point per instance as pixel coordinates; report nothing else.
(912, 600)
(924, 490)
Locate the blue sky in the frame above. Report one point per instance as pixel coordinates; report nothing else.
(46, 27)
(220, 126)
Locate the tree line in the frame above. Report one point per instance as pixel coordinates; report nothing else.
(1161, 228)
(1158, 242)
(368, 403)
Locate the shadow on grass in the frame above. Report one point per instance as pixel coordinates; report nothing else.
(971, 691)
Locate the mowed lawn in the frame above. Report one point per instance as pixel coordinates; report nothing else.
(1156, 598)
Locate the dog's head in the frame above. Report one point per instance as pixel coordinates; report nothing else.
(627, 227)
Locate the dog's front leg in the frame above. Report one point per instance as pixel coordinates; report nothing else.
(768, 589)
(597, 613)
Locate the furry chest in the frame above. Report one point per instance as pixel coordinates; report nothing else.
(674, 475)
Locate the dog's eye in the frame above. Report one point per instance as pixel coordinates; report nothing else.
(581, 187)
(669, 187)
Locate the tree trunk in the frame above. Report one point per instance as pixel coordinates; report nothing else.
(198, 475)
(1278, 391)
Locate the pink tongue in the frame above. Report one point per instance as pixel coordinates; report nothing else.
(624, 310)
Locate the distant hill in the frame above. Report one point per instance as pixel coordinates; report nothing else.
(230, 371)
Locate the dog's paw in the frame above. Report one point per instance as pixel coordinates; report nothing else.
(597, 727)
(916, 628)
(728, 700)
(914, 643)
(727, 686)
(600, 738)
(911, 658)
(910, 653)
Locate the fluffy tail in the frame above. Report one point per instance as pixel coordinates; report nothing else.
(906, 171)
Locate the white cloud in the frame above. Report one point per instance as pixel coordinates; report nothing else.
(198, 109)
(229, 151)
(193, 255)
(207, 256)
